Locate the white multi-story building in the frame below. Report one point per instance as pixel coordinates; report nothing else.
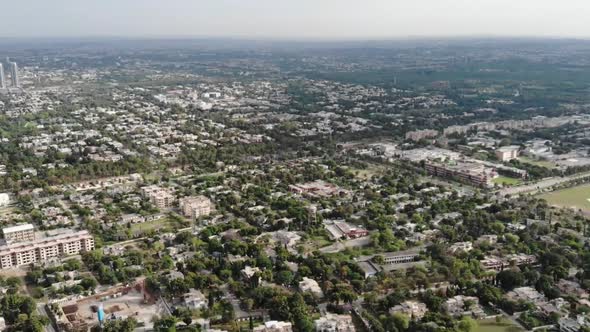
(14, 75)
(274, 326)
(162, 198)
(4, 199)
(507, 153)
(195, 207)
(23, 253)
(19, 233)
(2, 78)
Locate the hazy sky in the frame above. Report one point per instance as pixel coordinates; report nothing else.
(341, 19)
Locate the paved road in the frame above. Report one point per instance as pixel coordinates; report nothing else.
(41, 311)
(512, 318)
(340, 246)
(543, 184)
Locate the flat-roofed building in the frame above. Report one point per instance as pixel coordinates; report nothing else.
(312, 286)
(19, 233)
(162, 198)
(274, 326)
(507, 153)
(23, 253)
(413, 309)
(334, 323)
(195, 207)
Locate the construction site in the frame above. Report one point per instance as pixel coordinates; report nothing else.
(119, 302)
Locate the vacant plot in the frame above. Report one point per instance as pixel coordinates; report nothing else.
(542, 163)
(154, 225)
(490, 325)
(576, 198)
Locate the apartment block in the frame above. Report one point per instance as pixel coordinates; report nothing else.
(19, 233)
(421, 134)
(195, 207)
(507, 153)
(162, 198)
(23, 253)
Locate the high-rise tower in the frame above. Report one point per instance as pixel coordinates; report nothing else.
(14, 75)
(2, 79)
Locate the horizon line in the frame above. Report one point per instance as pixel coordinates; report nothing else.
(300, 39)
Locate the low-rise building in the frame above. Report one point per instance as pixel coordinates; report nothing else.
(461, 305)
(312, 286)
(274, 326)
(568, 324)
(4, 199)
(461, 247)
(501, 263)
(195, 299)
(527, 294)
(342, 229)
(334, 323)
(413, 309)
(572, 288)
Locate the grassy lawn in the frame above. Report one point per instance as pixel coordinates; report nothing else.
(546, 164)
(490, 325)
(576, 197)
(507, 181)
(320, 241)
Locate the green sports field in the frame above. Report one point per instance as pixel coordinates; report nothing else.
(576, 197)
(507, 181)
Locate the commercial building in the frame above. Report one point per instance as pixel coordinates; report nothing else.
(195, 207)
(342, 229)
(24, 253)
(472, 173)
(507, 153)
(19, 233)
(389, 261)
(398, 257)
